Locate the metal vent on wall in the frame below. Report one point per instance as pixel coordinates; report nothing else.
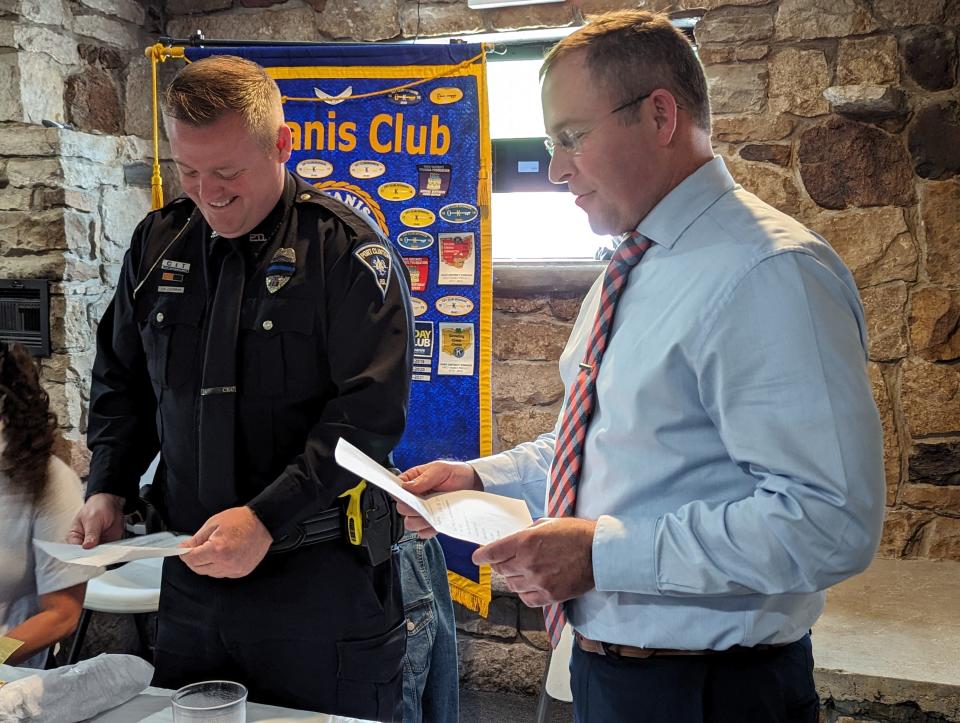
(25, 313)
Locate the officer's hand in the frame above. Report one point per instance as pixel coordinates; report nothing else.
(230, 544)
(550, 561)
(99, 520)
(434, 477)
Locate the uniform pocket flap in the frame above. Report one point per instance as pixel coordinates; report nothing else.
(172, 310)
(373, 660)
(277, 316)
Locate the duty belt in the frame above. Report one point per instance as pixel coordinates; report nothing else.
(321, 527)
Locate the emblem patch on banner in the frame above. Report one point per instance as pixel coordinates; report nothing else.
(282, 267)
(376, 258)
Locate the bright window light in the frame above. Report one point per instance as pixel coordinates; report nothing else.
(530, 226)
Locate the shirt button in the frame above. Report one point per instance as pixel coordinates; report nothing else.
(410, 626)
(267, 325)
(305, 196)
(159, 316)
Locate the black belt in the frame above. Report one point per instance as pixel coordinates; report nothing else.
(321, 527)
(615, 650)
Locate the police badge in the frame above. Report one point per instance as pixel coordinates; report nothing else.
(281, 268)
(376, 258)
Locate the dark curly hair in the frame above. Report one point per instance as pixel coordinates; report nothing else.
(29, 425)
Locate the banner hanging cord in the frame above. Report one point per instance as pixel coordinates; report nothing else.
(158, 53)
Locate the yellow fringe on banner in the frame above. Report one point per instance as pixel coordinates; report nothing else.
(158, 54)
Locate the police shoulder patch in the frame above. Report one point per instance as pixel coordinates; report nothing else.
(376, 257)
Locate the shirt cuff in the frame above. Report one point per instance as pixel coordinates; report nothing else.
(624, 557)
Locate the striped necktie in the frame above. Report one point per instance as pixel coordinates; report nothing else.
(568, 455)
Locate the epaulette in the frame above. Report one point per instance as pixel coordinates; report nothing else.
(359, 222)
(181, 205)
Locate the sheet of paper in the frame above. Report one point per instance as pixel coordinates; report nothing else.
(478, 517)
(8, 646)
(160, 544)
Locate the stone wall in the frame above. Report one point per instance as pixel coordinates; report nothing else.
(69, 199)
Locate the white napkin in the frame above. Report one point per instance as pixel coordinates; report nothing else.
(72, 693)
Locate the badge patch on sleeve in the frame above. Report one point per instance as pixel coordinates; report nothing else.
(376, 258)
(281, 268)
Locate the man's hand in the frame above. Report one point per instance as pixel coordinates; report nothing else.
(551, 561)
(230, 544)
(99, 520)
(434, 477)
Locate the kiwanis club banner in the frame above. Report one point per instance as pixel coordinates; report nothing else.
(399, 132)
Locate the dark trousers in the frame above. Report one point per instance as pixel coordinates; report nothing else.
(768, 686)
(313, 628)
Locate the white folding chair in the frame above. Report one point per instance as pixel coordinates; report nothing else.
(556, 677)
(132, 588)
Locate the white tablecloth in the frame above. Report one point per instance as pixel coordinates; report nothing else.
(153, 706)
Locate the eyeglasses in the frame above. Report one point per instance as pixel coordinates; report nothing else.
(571, 142)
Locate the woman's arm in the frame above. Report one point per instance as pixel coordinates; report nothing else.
(58, 616)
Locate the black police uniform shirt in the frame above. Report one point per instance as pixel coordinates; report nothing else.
(325, 353)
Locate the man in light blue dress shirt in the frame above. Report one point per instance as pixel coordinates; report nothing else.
(732, 468)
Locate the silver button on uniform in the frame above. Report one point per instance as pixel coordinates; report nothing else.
(267, 325)
(305, 196)
(159, 316)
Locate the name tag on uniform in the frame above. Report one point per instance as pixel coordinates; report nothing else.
(170, 289)
(169, 265)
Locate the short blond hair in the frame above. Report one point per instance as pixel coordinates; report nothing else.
(632, 52)
(205, 90)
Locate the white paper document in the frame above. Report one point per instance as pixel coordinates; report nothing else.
(160, 544)
(469, 515)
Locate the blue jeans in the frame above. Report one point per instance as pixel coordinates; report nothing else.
(431, 681)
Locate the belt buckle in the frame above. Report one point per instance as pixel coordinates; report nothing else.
(607, 649)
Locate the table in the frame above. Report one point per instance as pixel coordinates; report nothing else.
(153, 706)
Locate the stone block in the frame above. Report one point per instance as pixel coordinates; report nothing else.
(565, 308)
(500, 623)
(519, 305)
(874, 243)
(775, 153)
(885, 309)
(123, 209)
(903, 531)
(93, 101)
(11, 104)
(867, 101)
(739, 88)
(15, 199)
(936, 464)
(809, 19)
(752, 127)
(103, 57)
(735, 25)
(128, 10)
(36, 39)
(31, 233)
(506, 668)
(41, 87)
(528, 340)
(943, 540)
(190, 7)
(940, 215)
(360, 20)
(930, 57)
(901, 13)
(774, 185)
(891, 442)
(550, 15)
(288, 21)
(518, 384)
(137, 111)
(427, 20)
(928, 396)
(934, 322)
(844, 163)
(797, 81)
(934, 141)
(84, 173)
(868, 61)
(43, 12)
(109, 31)
(524, 425)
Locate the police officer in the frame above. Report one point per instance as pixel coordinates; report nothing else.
(255, 322)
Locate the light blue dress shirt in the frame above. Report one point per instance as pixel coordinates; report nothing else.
(734, 459)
